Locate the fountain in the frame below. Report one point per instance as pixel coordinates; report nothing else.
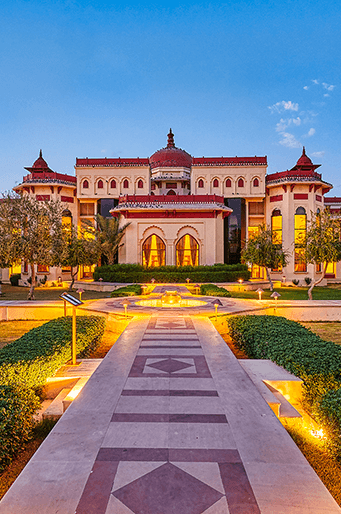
(171, 299)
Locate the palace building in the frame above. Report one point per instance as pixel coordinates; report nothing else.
(186, 210)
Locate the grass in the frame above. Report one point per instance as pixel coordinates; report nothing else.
(12, 330)
(46, 293)
(330, 331)
(293, 293)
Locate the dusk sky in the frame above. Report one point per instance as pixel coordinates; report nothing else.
(108, 79)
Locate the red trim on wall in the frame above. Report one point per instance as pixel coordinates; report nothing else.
(276, 198)
(171, 214)
(318, 198)
(41, 198)
(300, 196)
(68, 199)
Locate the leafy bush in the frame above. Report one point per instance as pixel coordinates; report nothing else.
(328, 413)
(136, 273)
(289, 344)
(307, 280)
(213, 290)
(295, 281)
(14, 279)
(17, 406)
(38, 354)
(132, 290)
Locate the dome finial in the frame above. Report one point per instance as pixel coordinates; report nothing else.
(41, 154)
(170, 143)
(303, 153)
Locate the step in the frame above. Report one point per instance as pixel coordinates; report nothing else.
(55, 409)
(74, 392)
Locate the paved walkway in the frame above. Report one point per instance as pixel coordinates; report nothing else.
(169, 423)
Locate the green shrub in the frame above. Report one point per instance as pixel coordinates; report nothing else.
(17, 406)
(132, 290)
(295, 348)
(136, 273)
(213, 290)
(14, 279)
(38, 354)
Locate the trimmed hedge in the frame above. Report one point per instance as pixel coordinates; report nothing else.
(136, 273)
(14, 279)
(295, 348)
(133, 290)
(38, 354)
(17, 406)
(213, 290)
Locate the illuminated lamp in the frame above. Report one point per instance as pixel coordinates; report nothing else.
(259, 291)
(216, 303)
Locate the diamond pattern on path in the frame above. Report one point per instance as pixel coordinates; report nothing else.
(170, 365)
(169, 490)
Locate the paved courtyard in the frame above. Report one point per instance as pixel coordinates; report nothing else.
(169, 423)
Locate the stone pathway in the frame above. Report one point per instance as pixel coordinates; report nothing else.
(169, 423)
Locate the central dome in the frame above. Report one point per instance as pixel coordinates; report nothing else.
(171, 156)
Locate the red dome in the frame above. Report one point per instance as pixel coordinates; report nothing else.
(304, 160)
(39, 166)
(171, 156)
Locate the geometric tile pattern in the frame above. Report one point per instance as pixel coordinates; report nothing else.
(168, 448)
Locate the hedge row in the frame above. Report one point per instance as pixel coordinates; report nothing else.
(213, 290)
(136, 273)
(315, 361)
(38, 354)
(132, 290)
(25, 365)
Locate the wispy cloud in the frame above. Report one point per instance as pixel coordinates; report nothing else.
(328, 87)
(283, 106)
(285, 123)
(318, 154)
(289, 140)
(311, 132)
(314, 81)
(306, 88)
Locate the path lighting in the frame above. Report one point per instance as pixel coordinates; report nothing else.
(152, 280)
(259, 291)
(188, 280)
(125, 304)
(275, 295)
(240, 280)
(75, 303)
(80, 291)
(216, 303)
(197, 289)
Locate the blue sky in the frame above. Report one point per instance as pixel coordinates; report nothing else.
(103, 79)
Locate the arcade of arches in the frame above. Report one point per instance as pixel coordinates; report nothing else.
(154, 251)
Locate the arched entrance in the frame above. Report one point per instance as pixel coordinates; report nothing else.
(187, 251)
(153, 251)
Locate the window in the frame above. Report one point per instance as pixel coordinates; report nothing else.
(171, 185)
(256, 208)
(201, 183)
(240, 182)
(140, 184)
(153, 187)
(85, 184)
(277, 234)
(42, 268)
(87, 209)
(171, 192)
(255, 182)
(153, 251)
(113, 184)
(215, 182)
(299, 239)
(125, 184)
(100, 184)
(187, 251)
(228, 182)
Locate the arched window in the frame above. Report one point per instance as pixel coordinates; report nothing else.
(140, 184)
(215, 182)
(85, 184)
(255, 182)
(201, 183)
(276, 226)
(152, 193)
(300, 234)
(100, 184)
(240, 182)
(153, 187)
(125, 184)
(187, 251)
(153, 251)
(171, 192)
(67, 219)
(113, 184)
(228, 182)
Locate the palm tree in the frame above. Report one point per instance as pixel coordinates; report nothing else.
(110, 236)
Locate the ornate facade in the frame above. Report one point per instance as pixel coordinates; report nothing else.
(186, 210)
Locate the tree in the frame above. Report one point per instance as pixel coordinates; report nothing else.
(110, 236)
(262, 250)
(322, 243)
(32, 231)
(81, 249)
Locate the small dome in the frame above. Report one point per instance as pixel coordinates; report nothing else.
(171, 156)
(304, 160)
(40, 163)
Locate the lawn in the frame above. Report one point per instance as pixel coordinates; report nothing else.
(46, 293)
(12, 330)
(330, 331)
(293, 293)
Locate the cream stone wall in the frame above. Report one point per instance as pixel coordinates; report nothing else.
(234, 173)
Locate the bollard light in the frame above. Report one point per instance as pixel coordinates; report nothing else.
(275, 295)
(125, 304)
(216, 304)
(152, 280)
(259, 291)
(80, 291)
(240, 280)
(188, 280)
(197, 289)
